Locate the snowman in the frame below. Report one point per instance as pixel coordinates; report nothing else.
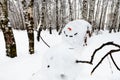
(59, 61)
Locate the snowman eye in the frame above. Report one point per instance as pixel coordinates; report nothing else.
(75, 33)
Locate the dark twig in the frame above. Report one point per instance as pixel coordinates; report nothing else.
(77, 61)
(114, 61)
(108, 43)
(44, 41)
(92, 57)
(39, 36)
(109, 53)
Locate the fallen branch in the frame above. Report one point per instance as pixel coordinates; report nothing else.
(114, 62)
(44, 41)
(92, 57)
(39, 36)
(109, 53)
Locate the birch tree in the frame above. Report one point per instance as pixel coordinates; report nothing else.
(28, 11)
(70, 10)
(85, 9)
(103, 19)
(97, 14)
(91, 11)
(7, 30)
(102, 11)
(57, 19)
(116, 15)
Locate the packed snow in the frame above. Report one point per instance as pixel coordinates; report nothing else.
(58, 61)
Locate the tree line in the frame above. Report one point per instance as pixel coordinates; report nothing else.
(54, 14)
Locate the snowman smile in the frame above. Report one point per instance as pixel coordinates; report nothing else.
(70, 35)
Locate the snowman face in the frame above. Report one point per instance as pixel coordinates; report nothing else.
(74, 32)
(70, 31)
(73, 36)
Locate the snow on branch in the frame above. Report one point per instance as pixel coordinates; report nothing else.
(109, 53)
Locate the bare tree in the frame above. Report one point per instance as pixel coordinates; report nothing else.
(28, 11)
(97, 14)
(57, 19)
(107, 54)
(110, 27)
(7, 30)
(103, 16)
(116, 15)
(85, 9)
(70, 10)
(91, 11)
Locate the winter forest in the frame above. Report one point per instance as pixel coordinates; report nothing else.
(42, 23)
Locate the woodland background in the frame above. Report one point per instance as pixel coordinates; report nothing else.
(38, 15)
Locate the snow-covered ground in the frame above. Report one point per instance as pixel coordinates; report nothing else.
(58, 62)
(24, 65)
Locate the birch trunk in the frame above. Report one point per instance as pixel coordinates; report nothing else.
(85, 9)
(91, 11)
(70, 10)
(57, 21)
(116, 15)
(29, 24)
(104, 14)
(97, 15)
(7, 31)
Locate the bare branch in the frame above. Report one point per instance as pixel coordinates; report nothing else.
(92, 57)
(109, 53)
(108, 43)
(44, 42)
(114, 62)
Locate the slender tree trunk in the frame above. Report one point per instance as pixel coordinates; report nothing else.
(85, 9)
(43, 10)
(29, 25)
(118, 20)
(97, 16)
(116, 15)
(111, 17)
(57, 19)
(91, 11)
(42, 24)
(75, 9)
(7, 31)
(70, 10)
(63, 7)
(63, 15)
(102, 10)
(104, 14)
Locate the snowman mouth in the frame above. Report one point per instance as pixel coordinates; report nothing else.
(70, 35)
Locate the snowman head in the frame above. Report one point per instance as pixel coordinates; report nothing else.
(74, 32)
